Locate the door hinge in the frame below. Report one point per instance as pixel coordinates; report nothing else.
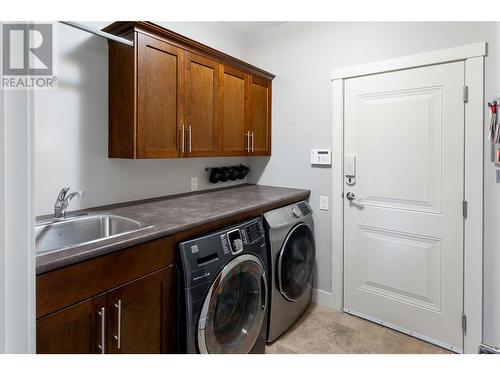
(464, 323)
(464, 208)
(466, 94)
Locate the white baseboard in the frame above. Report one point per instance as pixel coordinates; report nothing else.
(323, 298)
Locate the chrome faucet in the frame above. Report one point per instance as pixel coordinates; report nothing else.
(63, 200)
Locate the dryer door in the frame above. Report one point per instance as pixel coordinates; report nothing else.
(235, 307)
(296, 262)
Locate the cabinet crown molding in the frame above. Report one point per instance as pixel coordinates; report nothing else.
(126, 28)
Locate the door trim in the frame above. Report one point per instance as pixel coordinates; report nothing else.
(473, 56)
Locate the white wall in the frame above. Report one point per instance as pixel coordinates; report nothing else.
(71, 128)
(302, 56)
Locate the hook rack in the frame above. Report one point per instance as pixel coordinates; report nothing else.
(231, 173)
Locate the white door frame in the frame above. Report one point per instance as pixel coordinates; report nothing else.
(473, 56)
(17, 254)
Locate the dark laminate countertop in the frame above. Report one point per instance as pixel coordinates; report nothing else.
(173, 214)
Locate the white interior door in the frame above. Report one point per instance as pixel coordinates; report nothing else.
(403, 249)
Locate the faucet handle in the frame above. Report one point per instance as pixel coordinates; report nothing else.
(62, 194)
(79, 193)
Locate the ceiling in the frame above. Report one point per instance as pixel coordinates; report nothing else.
(249, 28)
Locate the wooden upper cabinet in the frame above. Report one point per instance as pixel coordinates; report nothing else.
(160, 86)
(170, 96)
(201, 106)
(233, 117)
(259, 101)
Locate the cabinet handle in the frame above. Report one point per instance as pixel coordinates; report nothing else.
(190, 133)
(118, 336)
(253, 138)
(183, 139)
(248, 142)
(102, 314)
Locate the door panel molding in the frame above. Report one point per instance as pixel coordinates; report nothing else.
(428, 199)
(473, 57)
(428, 251)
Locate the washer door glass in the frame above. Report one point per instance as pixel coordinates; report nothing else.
(235, 307)
(296, 262)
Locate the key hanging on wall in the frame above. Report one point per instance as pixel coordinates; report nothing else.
(493, 130)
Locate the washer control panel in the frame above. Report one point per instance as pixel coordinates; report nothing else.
(253, 232)
(235, 241)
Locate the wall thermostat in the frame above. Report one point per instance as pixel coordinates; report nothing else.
(321, 157)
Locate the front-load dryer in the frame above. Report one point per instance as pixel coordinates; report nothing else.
(223, 296)
(291, 245)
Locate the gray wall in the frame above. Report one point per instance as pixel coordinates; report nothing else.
(71, 127)
(302, 56)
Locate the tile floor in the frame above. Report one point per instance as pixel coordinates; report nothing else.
(322, 330)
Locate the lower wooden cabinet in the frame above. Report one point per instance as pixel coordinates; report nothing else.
(122, 302)
(138, 317)
(141, 315)
(74, 330)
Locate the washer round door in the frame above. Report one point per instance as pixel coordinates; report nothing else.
(296, 262)
(235, 307)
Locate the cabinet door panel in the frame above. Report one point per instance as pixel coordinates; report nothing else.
(75, 330)
(142, 315)
(202, 122)
(260, 116)
(160, 85)
(233, 113)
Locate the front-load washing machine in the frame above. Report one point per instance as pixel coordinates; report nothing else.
(224, 291)
(290, 232)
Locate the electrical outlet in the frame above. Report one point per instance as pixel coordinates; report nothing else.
(194, 183)
(323, 203)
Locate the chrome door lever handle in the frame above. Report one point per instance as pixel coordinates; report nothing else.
(350, 196)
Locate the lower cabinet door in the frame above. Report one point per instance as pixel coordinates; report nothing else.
(142, 315)
(79, 329)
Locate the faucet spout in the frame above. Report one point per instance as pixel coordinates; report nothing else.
(62, 202)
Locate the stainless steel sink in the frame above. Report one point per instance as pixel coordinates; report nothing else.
(63, 234)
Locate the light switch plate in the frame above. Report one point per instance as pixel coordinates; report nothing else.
(323, 203)
(194, 183)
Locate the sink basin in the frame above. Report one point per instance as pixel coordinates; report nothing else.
(63, 234)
